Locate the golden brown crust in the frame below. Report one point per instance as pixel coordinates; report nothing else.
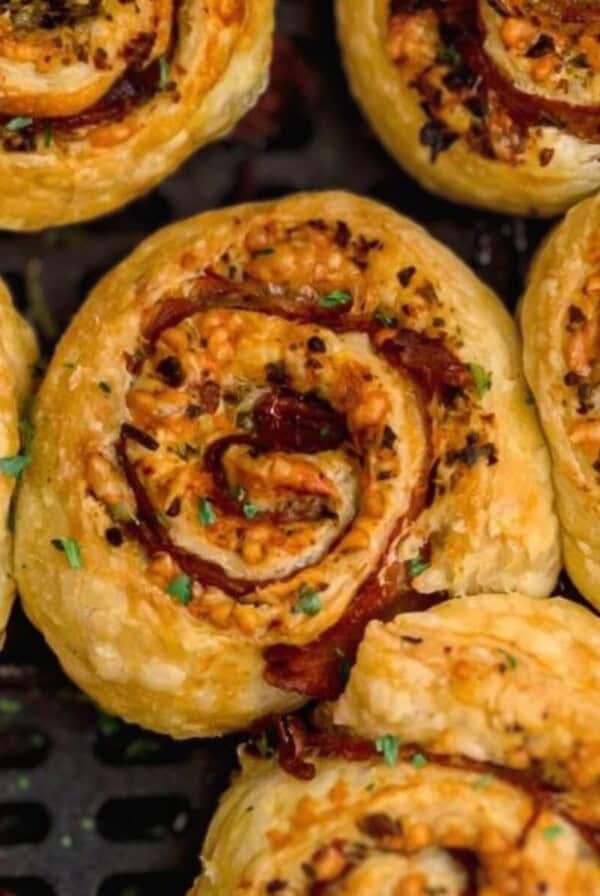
(503, 679)
(412, 827)
(422, 91)
(324, 306)
(134, 91)
(560, 326)
(18, 352)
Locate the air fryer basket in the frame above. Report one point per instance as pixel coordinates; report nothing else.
(90, 806)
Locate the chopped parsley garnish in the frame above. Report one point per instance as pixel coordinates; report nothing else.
(482, 781)
(18, 123)
(388, 746)
(263, 747)
(552, 832)
(238, 492)
(164, 70)
(418, 761)
(206, 513)
(335, 298)
(416, 565)
(180, 588)
(250, 511)
(482, 379)
(104, 387)
(48, 137)
(268, 250)
(510, 659)
(72, 550)
(308, 601)
(14, 466)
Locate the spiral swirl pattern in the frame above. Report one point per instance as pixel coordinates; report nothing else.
(99, 99)
(290, 429)
(491, 102)
(420, 825)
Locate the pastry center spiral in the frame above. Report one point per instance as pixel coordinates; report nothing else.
(58, 60)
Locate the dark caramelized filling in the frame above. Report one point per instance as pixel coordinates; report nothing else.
(48, 14)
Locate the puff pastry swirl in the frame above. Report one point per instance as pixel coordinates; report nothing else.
(101, 99)
(18, 353)
(495, 103)
(415, 825)
(504, 679)
(560, 319)
(286, 430)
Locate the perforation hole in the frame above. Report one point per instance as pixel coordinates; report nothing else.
(144, 818)
(121, 744)
(23, 823)
(23, 747)
(153, 884)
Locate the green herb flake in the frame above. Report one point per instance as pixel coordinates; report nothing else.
(48, 137)
(308, 601)
(104, 387)
(418, 761)
(206, 513)
(510, 659)
(333, 299)
(264, 748)
(482, 781)
(180, 588)
(388, 746)
(164, 70)
(482, 379)
(18, 123)
(72, 550)
(250, 511)
(416, 565)
(552, 832)
(268, 250)
(14, 466)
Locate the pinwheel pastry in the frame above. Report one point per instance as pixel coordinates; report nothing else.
(300, 415)
(561, 319)
(510, 680)
(351, 817)
(101, 99)
(18, 353)
(491, 102)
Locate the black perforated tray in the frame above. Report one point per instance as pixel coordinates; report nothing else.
(90, 806)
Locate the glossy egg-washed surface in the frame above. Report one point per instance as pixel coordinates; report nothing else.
(302, 415)
(100, 100)
(491, 103)
(307, 134)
